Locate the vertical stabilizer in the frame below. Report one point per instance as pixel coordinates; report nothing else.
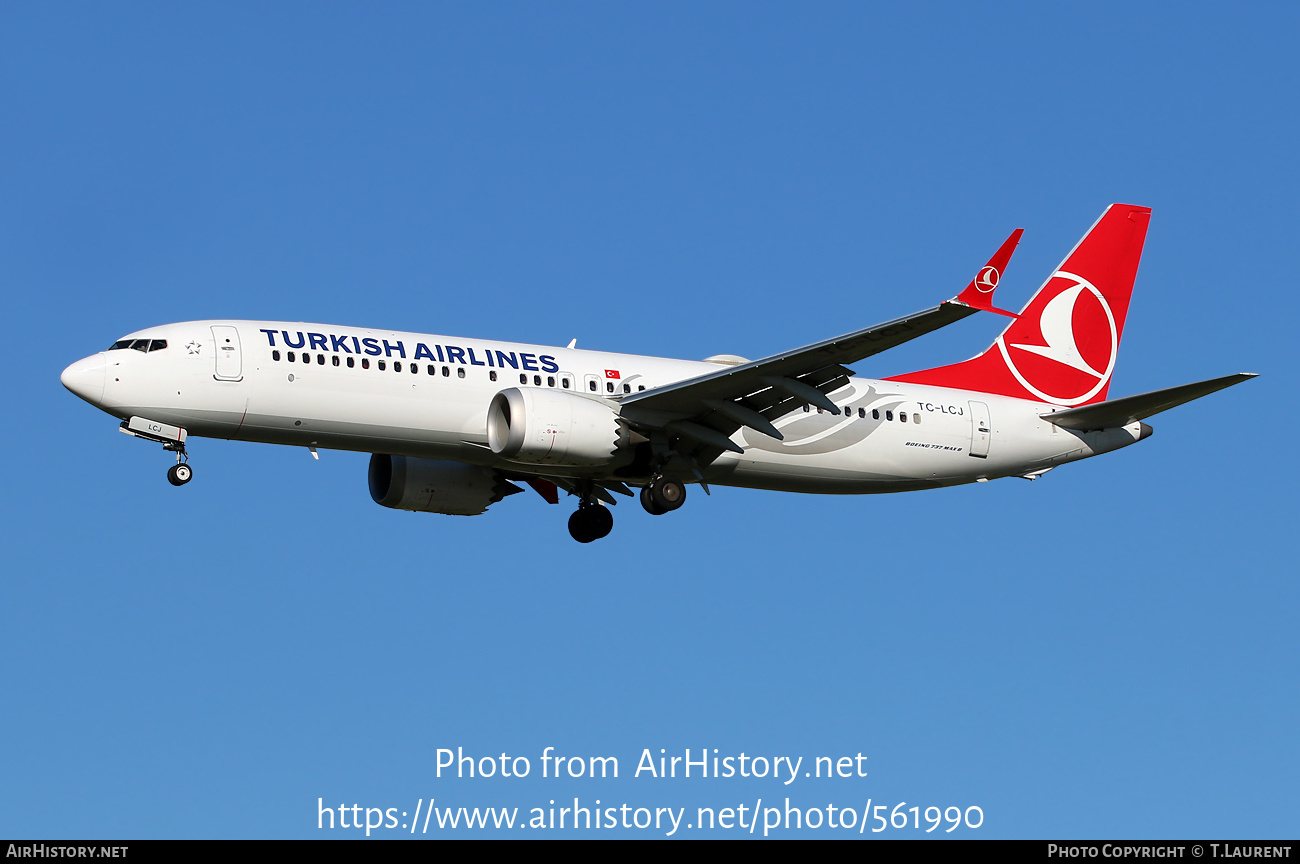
(1063, 347)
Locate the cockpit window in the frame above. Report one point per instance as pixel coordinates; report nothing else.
(141, 345)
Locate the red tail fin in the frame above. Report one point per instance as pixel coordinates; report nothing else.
(1062, 348)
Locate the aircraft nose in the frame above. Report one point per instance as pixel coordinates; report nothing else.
(86, 378)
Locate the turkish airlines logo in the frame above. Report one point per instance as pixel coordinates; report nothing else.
(1080, 343)
(987, 280)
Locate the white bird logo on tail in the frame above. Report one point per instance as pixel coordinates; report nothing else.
(1056, 323)
(987, 280)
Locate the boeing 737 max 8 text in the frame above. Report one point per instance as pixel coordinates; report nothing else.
(456, 424)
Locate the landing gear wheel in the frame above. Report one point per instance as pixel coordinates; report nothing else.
(590, 522)
(666, 494)
(603, 521)
(648, 502)
(179, 474)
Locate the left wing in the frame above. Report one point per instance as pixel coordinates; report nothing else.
(804, 375)
(702, 413)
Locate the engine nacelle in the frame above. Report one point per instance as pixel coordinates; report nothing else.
(435, 485)
(553, 427)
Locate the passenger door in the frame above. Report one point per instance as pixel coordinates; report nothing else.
(229, 359)
(980, 430)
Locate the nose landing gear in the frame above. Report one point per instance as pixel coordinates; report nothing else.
(173, 440)
(180, 473)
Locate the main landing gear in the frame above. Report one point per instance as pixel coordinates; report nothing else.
(591, 521)
(662, 495)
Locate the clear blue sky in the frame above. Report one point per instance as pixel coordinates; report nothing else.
(1110, 651)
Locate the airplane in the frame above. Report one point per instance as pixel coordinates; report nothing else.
(455, 425)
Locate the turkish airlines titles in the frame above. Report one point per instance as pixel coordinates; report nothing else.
(464, 356)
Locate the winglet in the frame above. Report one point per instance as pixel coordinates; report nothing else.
(979, 293)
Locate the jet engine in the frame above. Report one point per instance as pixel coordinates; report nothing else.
(435, 485)
(554, 427)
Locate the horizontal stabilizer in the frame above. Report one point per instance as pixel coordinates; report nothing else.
(1121, 412)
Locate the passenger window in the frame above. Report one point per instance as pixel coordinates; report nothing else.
(433, 370)
(523, 379)
(609, 386)
(351, 363)
(335, 359)
(365, 362)
(397, 365)
(807, 408)
(916, 418)
(415, 368)
(446, 372)
(493, 374)
(383, 365)
(291, 357)
(537, 379)
(591, 385)
(460, 371)
(275, 355)
(627, 388)
(862, 413)
(889, 415)
(550, 380)
(564, 382)
(875, 413)
(320, 359)
(640, 387)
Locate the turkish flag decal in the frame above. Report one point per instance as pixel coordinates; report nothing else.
(611, 373)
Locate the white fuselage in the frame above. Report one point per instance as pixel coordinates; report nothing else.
(420, 395)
